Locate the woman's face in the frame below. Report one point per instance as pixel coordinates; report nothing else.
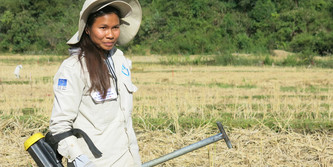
(105, 31)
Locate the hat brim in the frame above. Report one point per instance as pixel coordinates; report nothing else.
(130, 15)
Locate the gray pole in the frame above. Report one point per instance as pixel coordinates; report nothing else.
(191, 147)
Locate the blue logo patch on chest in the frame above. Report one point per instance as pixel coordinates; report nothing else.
(125, 70)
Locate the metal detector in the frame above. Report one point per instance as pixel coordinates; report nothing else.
(191, 147)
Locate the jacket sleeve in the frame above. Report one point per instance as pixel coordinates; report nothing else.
(68, 89)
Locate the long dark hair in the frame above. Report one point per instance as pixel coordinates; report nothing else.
(95, 56)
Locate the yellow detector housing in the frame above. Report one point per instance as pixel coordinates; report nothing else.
(32, 140)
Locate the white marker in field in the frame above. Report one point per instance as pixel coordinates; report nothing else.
(17, 71)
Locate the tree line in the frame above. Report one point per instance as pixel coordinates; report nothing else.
(179, 27)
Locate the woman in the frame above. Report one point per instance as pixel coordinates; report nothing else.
(93, 88)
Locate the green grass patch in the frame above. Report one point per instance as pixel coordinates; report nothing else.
(187, 60)
(14, 82)
(44, 80)
(145, 98)
(226, 85)
(261, 97)
(28, 121)
(221, 85)
(247, 97)
(303, 122)
(313, 89)
(309, 89)
(247, 86)
(28, 111)
(41, 60)
(288, 89)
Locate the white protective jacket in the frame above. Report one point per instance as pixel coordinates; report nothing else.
(107, 123)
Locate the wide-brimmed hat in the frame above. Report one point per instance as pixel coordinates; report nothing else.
(130, 15)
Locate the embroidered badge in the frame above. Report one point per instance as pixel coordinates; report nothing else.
(125, 70)
(62, 84)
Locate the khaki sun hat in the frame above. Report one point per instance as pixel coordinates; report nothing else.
(130, 15)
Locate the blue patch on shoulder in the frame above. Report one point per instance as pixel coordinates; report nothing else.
(62, 84)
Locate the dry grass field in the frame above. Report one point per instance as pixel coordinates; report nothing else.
(274, 116)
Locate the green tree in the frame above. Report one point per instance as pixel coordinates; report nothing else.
(262, 10)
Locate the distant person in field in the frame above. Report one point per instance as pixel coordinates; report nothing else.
(17, 71)
(93, 88)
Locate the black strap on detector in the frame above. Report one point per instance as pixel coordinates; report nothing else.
(54, 139)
